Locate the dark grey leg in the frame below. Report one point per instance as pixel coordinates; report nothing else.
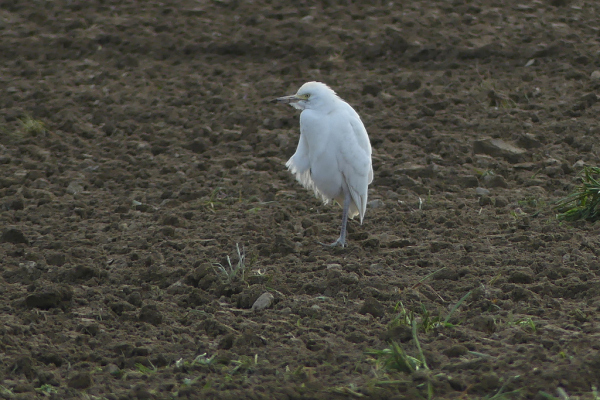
(341, 241)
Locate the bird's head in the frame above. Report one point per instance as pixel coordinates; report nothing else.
(311, 95)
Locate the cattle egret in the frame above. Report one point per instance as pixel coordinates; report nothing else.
(333, 157)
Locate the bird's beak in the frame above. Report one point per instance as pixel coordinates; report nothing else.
(287, 99)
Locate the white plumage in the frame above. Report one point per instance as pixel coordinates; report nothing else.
(333, 157)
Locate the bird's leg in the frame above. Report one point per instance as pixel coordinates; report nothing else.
(341, 241)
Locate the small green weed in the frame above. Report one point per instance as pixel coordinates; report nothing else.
(430, 322)
(215, 198)
(27, 127)
(584, 202)
(244, 364)
(201, 359)
(427, 322)
(230, 273)
(351, 390)
(46, 389)
(403, 317)
(482, 173)
(146, 370)
(32, 126)
(6, 392)
(394, 358)
(562, 395)
(527, 323)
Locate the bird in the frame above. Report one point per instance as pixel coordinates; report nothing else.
(333, 157)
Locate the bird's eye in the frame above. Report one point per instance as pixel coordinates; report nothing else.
(306, 96)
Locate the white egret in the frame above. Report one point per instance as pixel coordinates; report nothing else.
(333, 157)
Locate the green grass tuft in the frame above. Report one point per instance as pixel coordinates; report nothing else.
(584, 202)
(32, 126)
(145, 370)
(231, 273)
(394, 358)
(427, 322)
(46, 389)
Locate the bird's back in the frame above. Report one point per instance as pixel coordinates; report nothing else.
(360, 133)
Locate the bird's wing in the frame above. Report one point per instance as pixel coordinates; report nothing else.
(355, 161)
(361, 135)
(299, 164)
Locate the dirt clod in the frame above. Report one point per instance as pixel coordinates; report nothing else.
(372, 306)
(456, 351)
(49, 297)
(14, 235)
(150, 314)
(82, 380)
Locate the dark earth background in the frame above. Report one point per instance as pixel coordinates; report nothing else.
(161, 152)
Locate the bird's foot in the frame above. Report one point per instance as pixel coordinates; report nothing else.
(338, 243)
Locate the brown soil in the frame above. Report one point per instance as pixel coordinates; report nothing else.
(161, 152)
